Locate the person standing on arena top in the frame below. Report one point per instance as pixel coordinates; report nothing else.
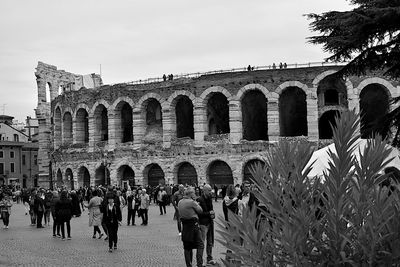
(176, 197)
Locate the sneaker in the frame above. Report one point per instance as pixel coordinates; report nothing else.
(115, 247)
(180, 234)
(110, 250)
(54, 236)
(58, 235)
(105, 239)
(63, 239)
(100, 236)
(69, 238)
(94, 236)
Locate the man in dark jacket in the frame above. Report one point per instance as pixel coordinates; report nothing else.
(112, 218)
(206, 222)
(38, 207)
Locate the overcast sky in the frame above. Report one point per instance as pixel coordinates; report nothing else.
(141, 39)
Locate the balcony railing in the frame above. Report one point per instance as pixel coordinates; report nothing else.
(267, 67)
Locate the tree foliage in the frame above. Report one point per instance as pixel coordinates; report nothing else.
(347, 218)
(368, 36)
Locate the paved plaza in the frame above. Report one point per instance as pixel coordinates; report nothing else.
(157, 244)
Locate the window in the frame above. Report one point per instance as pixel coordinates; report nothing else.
(35, 159)
(23, 159)
(16, 138)
(1, 168)
(12, 167)
(1, 154)
(12, 154)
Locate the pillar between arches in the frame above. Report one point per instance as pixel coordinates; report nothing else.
(235, 122)
(112, 128)
(167, 125)
(138, 125)
(312, 117)
(273, 120)
(200, 129)
(91, 134)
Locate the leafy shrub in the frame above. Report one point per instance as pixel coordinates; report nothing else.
(344, 218)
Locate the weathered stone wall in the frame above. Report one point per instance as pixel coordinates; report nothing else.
(169, 152)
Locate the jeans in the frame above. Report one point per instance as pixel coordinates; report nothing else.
(145, 216)
(6, 218)
(131, 215)
(162, 208)
(207, 234)
(112, 235)
(68, 229)
(39, 219)
(56, 225)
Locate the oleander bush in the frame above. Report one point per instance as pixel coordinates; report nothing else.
(344, 218)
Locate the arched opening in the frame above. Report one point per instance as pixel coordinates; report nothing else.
(293, 112)
(48, 92)
(324, 124)
(220, 173)
(69, 176)
(60, 181)
(254, 116)
(374, 105)
(153, 118)
(218, 114)
(184, 117)
(82, 126)
(155, 175)
(126, 176)
(67, 128)
(187, 174)
(101, 123)
(332, 91)
(250, 167)
(57, 126)
(61, 89)
(83, 177)
(124, 122)
(102, 176)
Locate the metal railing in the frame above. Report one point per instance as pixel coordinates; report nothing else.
(244, 69)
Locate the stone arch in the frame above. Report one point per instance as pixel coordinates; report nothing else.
(57, 126)
(81, 115)
(100, 116)
(154, 174)
(217, 113)
(219, 172)
(102, 175)
(272, 96)
(332, 90)
(151, 114)
(146, 97)
(249, 165)
(59, 177)
(67, 133)
(185, 173)
(374, 103)
(293, 110)
(254, 112)
(287, 84)
(83, 176)
(125, 176)
(123, 121)
(69, 178)
(389, 88)
(210, 91)
(321, 76)
(146, 164)
(48, 90)
(324, 123)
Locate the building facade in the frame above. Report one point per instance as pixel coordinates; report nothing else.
(196, 129)
(18, 155)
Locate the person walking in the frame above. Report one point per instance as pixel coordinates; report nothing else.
(39, 208)
(176, 197)
(162, 200)
(63, 211)
(206, 221)
(76, 208)
(47, 207)
(131, 205)
(189, 211)
(95, 215)
(5, 210)
(56, 224)
(144, 207)
(112, 218)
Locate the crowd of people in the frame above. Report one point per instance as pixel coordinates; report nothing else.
(194, 212)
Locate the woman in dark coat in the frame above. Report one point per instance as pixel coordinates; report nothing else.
(63, 210)
(76, 209)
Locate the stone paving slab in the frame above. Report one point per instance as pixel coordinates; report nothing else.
(157, 244)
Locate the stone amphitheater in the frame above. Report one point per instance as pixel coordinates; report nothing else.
(204, 127)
